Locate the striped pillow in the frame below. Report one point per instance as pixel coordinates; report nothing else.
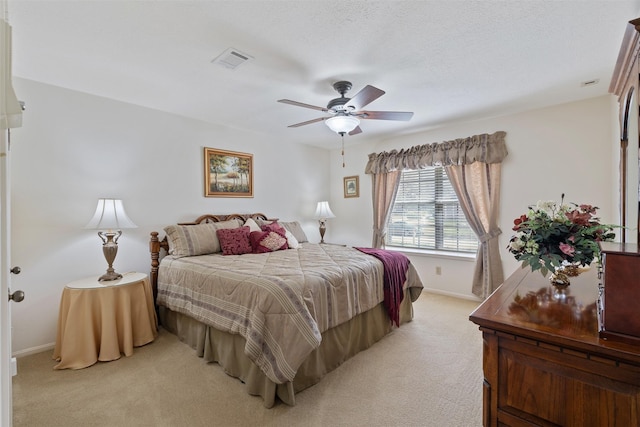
(296, 229)
(199, 239)
(190, 240)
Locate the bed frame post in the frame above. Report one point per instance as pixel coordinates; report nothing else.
(154, 248)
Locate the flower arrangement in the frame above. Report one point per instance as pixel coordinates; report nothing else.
(551, 235)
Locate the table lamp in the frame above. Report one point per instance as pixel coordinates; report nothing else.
(323, 212)
(110, 218)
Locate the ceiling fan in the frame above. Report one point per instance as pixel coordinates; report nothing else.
(346, 113)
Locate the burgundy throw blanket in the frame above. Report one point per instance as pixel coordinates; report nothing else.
(396, 265)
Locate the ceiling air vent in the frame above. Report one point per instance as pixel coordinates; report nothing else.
(231, 58)
(590, 82)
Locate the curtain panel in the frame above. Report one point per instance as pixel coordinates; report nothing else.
(385, 188)
(473, 166)
(486, 148)
(478, 189)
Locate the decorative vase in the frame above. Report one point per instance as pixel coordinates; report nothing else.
(561, 278)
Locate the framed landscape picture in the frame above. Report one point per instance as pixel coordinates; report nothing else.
(227, 173)
(351, 186)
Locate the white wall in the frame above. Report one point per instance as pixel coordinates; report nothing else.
(562, 149)
(75, 148)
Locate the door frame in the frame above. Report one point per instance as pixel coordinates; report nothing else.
(6, 405)
(10, 116)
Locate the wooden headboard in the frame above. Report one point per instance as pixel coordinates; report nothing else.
(156, 245)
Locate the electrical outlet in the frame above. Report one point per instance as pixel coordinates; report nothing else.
(438, 270)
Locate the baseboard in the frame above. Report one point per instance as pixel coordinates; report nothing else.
(452, 294)
(34, 350)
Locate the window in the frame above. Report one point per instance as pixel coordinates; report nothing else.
(426, 214)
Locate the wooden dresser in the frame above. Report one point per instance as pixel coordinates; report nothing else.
(619, 303)
(544, 362)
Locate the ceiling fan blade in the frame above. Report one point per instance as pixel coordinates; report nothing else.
(356, 131)
(308, 122)
(364, 97)
(385, 115)
(300, 104)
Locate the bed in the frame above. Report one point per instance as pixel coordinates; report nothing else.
(281, 316)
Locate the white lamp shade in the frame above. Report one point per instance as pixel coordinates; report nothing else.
(323, 211)
(110, 215)
(342, 124)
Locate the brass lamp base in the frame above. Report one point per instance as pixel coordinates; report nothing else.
(110, 275)
(323, 228)
(110, 249)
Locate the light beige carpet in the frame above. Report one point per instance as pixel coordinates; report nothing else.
(426, 373)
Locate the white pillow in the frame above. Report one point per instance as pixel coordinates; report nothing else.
(253, 226)
(292, 242)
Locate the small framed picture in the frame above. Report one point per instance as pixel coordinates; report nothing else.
(351, 186)
(227, 173)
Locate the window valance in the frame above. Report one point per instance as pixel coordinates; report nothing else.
(463, 151)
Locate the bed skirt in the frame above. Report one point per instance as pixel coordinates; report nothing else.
(338, 344)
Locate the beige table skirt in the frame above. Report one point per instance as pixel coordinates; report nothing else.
(101, 322)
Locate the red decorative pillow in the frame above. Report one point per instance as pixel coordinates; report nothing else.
(234, 241)
(267, 241)
(274, 226)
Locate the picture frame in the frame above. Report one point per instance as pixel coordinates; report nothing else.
(351, 186)
(227, 173)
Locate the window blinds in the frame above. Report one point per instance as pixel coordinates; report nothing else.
(426, 214)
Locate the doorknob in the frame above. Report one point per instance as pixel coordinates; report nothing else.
(17, 296)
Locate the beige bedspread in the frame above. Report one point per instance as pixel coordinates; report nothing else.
(280, 302)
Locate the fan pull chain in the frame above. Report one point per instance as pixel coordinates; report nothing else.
(342, 149)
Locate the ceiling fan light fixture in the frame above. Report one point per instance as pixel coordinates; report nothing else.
(342, 124)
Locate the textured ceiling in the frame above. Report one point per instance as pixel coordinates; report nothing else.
(446, 61)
